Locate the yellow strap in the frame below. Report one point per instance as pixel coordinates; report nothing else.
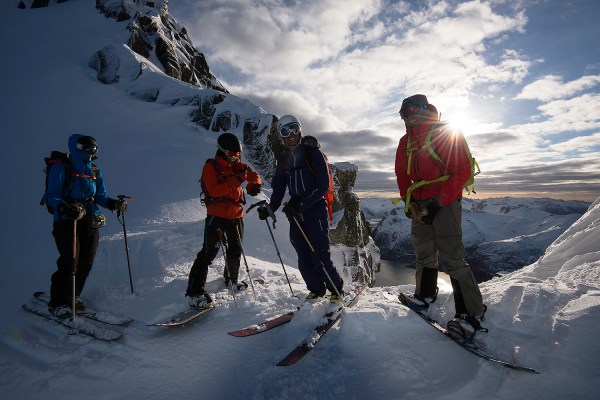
(416, 185)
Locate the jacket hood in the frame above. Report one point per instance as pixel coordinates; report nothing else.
(75, 153)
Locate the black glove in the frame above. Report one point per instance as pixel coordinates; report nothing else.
(253, 189)
(414, 212)
(73, 211)
(116, 205)
(263, 212)
(433, 207)
(291, 208)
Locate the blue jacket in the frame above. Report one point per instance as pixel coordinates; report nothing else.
(292, 171)
(80, 189)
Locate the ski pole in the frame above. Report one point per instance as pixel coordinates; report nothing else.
(263, 203)
(119, 212)
(73, 275)
(223, 246)
(317, 257)
(237, 228)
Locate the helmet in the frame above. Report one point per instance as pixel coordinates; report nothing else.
(87, 144)
(229, 142)
(288, 121)
(229, 147)
(416, 105)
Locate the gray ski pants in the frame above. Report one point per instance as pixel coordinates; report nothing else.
(441, 243)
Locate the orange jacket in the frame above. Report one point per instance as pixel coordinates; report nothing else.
(228, 187)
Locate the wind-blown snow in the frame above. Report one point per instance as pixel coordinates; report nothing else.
(544, 316)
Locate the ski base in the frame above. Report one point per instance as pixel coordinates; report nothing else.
(264, 326)
(100, 316)
(319, 331)
(81, 325)
(467, 344)
(184, 317)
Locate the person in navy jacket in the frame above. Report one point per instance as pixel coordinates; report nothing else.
(307, 186)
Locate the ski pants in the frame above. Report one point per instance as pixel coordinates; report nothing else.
(314, 224)
(86, 244)
(210, 249)
(442, 241)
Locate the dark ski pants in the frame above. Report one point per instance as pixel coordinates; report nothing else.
(86, 246)
(442, 241)
(314, 223)
(210, 249)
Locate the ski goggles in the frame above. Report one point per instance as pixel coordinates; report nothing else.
(232, 154)
(289, 129)
(88, 148)
(411, 109)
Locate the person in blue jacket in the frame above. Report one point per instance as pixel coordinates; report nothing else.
(74, 193)
(307, 206)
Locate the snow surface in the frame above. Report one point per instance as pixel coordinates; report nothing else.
(544, 316)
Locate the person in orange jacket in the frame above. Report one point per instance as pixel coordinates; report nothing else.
(221, 181)
(432, 167)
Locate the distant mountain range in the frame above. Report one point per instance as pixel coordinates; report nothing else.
(500, 234)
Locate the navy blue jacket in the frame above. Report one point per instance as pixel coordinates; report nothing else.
(292, 171)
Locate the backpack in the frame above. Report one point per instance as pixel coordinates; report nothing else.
(310, 143)
(469, 185)
(58, 157)
(206, 199)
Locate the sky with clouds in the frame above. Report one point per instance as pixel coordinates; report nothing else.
(520, 78)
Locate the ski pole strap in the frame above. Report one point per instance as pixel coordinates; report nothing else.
(418, 184)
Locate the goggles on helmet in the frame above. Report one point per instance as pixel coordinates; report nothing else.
(88, 148)
(411, 109)
(290, 129)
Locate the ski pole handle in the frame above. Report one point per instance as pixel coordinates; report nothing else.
(257, 204)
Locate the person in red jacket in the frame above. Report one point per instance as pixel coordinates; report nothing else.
(432, 167)
(221, 181)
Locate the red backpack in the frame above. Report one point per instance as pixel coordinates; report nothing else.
(310, 144)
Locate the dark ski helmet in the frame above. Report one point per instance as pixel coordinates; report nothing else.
(416, 104)
(229, 146)
(87, 144)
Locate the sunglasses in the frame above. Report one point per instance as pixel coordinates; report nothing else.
(411, 109)
(88, 148)
(289, 129)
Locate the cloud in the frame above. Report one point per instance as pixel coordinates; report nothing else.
(551, 87)
(344, 68)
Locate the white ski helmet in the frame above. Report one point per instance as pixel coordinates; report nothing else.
(286, 121)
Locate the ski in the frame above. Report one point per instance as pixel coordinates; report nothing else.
(265, 325)
(81, 325)
(184, 317)
(310, 341)
(100, 316)
(270, 323)
(469, 345)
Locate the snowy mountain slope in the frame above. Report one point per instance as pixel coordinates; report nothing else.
(501, 234)
(544, 316)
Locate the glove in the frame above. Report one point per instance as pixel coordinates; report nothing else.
(291, 208)
(240, 170)
(433, 207)
(263, 212)
(116, 205)
(414, 212)
(73, 211)
(253, 189)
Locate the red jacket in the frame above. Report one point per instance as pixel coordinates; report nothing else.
(450, 146)
(230, 187)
